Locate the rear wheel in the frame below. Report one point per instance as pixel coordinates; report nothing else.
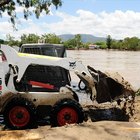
(66, 111)
(19, 114)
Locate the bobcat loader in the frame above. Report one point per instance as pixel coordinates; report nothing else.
(21, 106)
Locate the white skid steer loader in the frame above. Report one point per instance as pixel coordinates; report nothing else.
(21, 106)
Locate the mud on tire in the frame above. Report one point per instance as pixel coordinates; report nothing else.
(66, 111)
(19, 113)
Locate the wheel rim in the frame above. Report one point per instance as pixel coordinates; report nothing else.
(67, 115)
(19, 116)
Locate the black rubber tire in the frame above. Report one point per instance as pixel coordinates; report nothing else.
(26, 107)
(63, 104)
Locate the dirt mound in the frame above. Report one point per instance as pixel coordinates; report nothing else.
(129, 111)
(115, 96)
(136, 116)
(126, 101)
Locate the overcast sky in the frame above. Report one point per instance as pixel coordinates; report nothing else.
(118, 18)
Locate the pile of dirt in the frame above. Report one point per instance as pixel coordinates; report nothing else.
(126, 103)
(116, 97)
(105, 111)
(136, 116)
(128, 112)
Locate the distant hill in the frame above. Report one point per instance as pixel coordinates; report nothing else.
(85, 37)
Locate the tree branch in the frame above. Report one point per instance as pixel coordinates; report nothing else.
(4, 2)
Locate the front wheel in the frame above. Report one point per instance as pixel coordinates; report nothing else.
(66, 111)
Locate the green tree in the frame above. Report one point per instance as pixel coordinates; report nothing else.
(108, 42)
(38, 6)
(114, 44)
(51, 38)
(85, 45)
(10, 40)
(2, 41)
(102, 45)
(30, 38)
(70, 44)
(78, 40)
(131, 43)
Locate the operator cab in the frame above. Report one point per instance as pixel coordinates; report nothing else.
(52, 75)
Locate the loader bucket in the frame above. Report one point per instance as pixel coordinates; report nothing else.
(110, 86)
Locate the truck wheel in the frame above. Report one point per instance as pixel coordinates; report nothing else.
(19, 114)
(66, 111)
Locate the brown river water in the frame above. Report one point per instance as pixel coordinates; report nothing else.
(127, 63)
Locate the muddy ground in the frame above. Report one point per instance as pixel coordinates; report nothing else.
(104, 122)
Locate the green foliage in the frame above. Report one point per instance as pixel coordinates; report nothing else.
(71, 43)
(108, 42)
(1, 41)
(31, 38)
(51, 38)
(86, 45)
(11, 41)
(116, 45)
(131, 43)
(46, 38)
(78, 41)
(39, 6)
(74, 43)
(102, 45)
(126, 44)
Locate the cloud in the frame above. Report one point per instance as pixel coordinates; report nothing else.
(32, 28)
(5, 28)
(19, 9)
(22, 21)
(24, 27)
(118, 24)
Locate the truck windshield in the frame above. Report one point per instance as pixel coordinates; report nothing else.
(57, 50)
(49, 51)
